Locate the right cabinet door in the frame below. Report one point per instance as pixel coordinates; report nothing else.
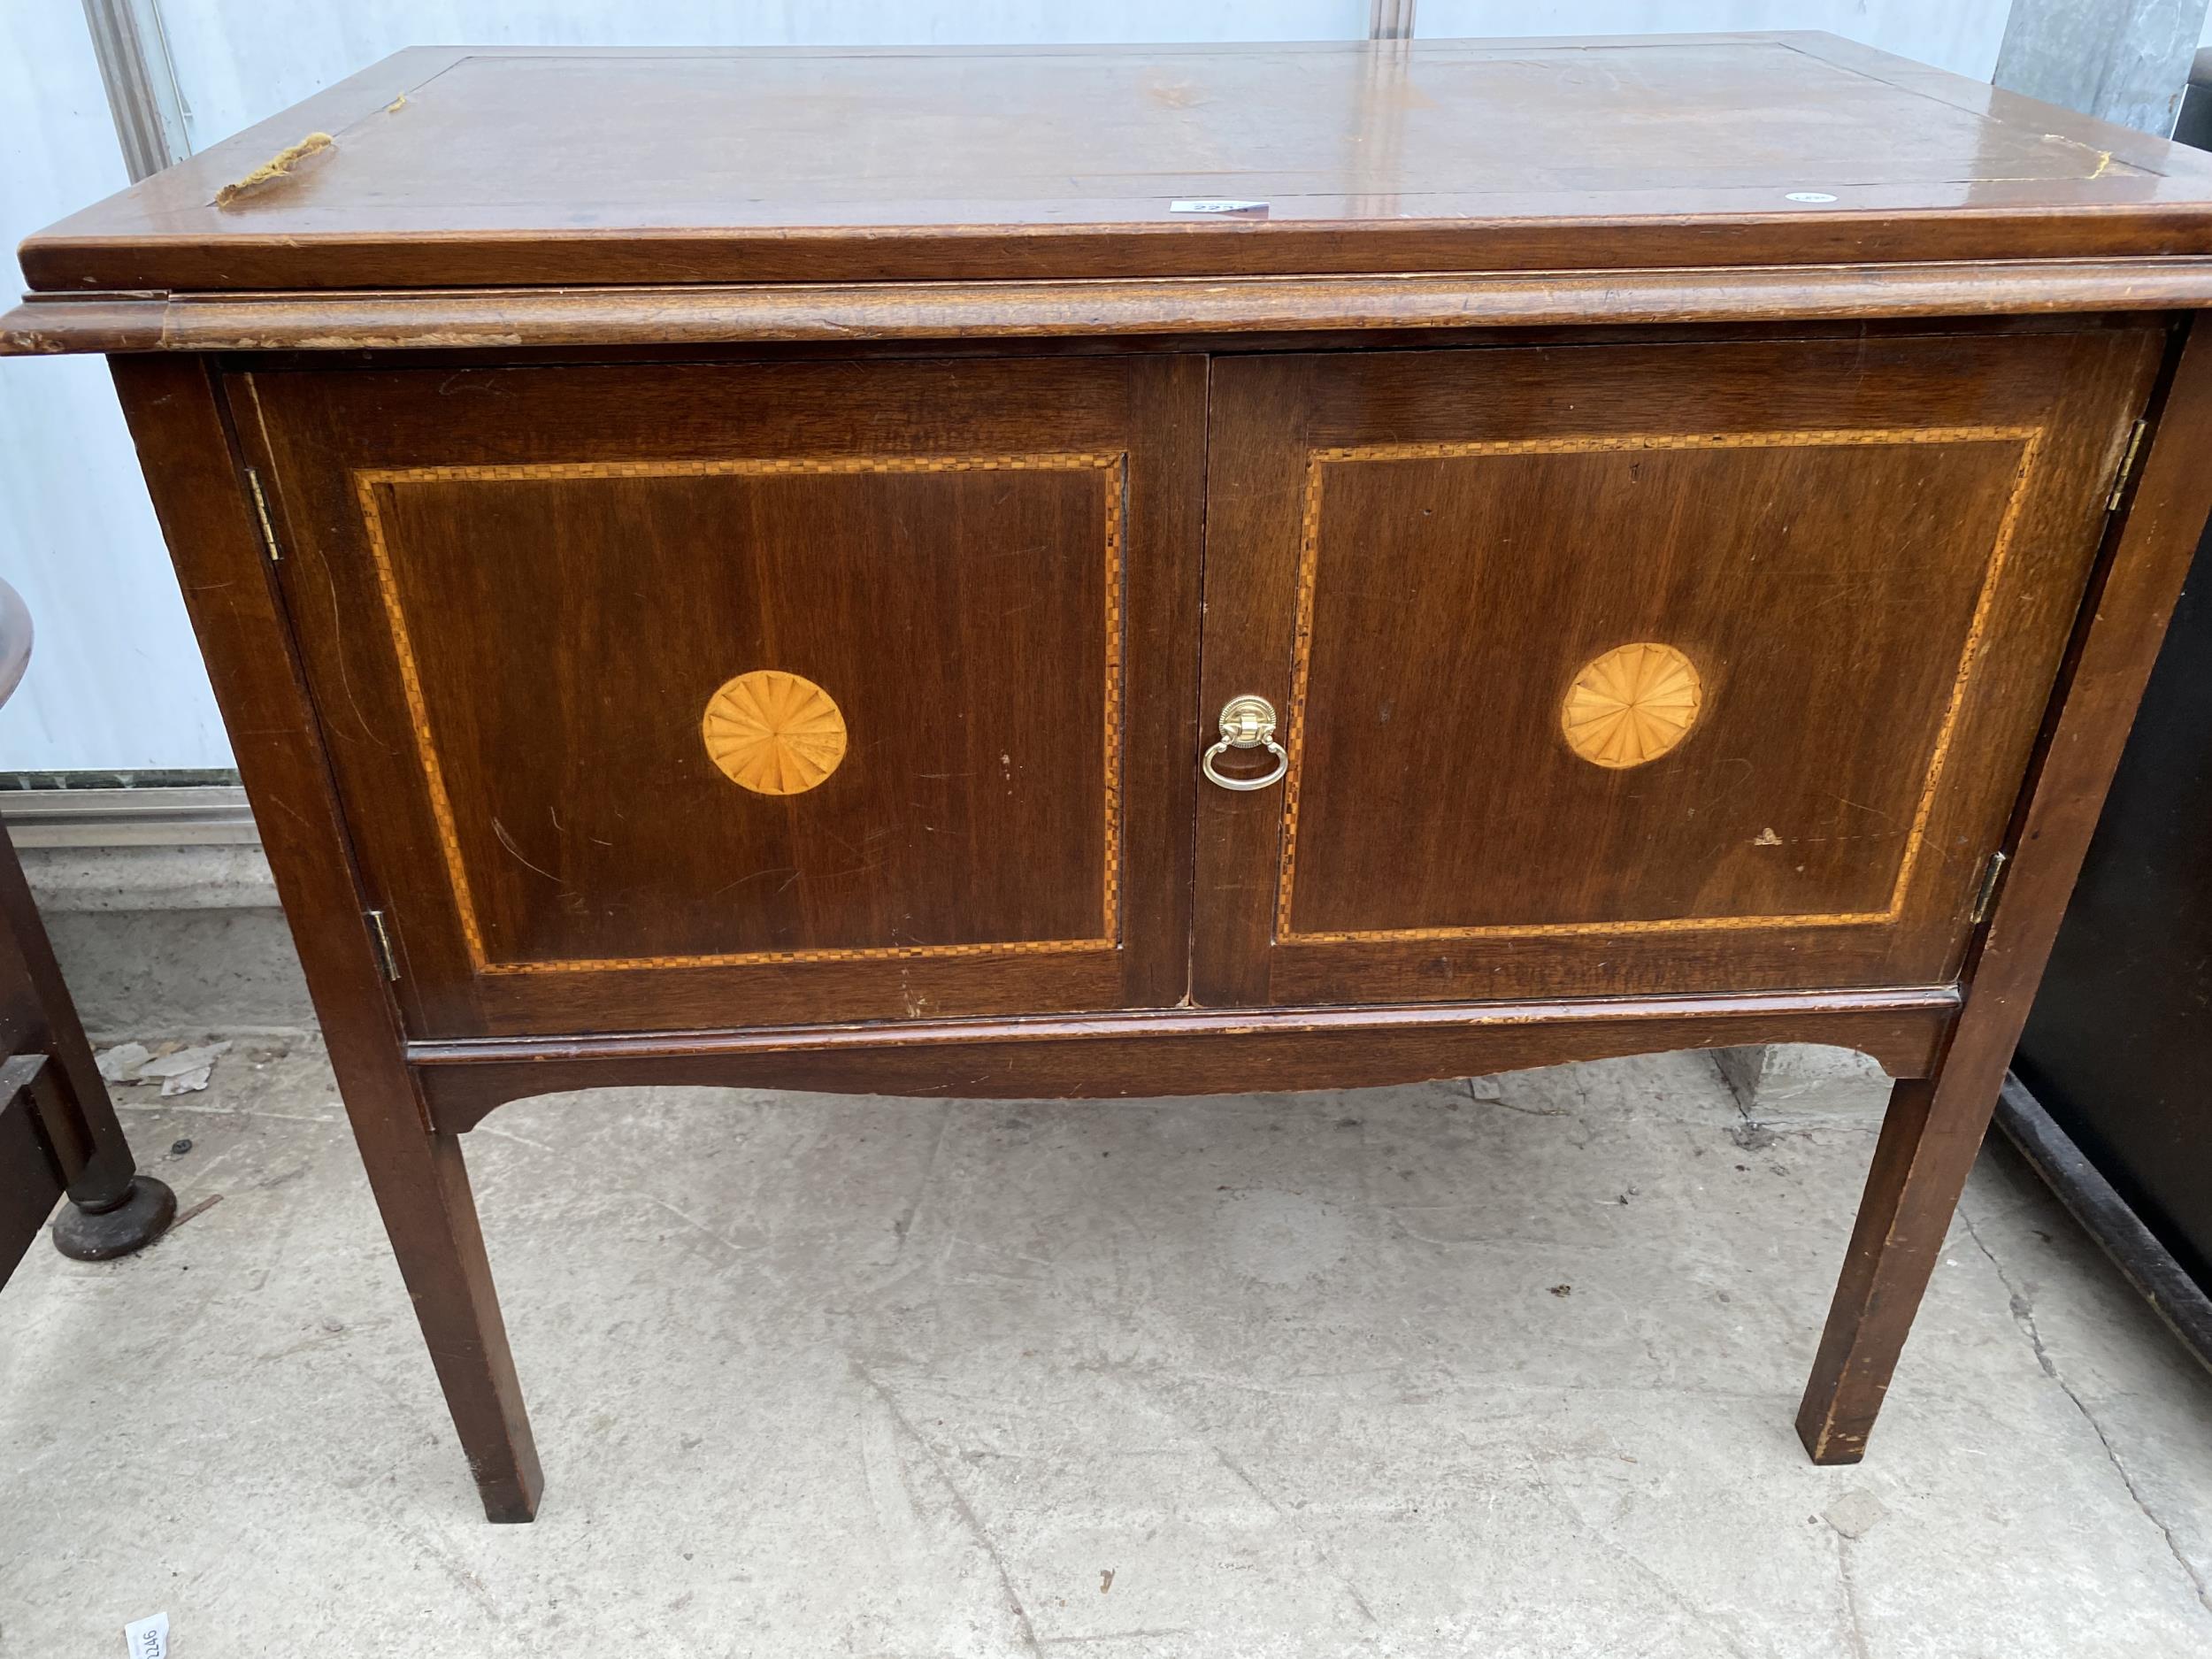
(1636, 668)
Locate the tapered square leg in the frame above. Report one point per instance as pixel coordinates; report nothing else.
(1929, 1138)
(431, 1215)
(1935, 1124)
(421, 1183)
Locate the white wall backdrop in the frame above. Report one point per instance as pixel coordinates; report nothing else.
(115, 682)
(115, 679)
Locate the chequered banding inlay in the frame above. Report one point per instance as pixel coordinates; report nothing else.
(1113, 471)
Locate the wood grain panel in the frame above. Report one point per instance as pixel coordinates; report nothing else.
(1800, 607)
(764, 579)
(1869, 552)
(554, 625)
(548, 166)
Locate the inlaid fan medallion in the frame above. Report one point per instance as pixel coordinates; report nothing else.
(1632, 705)
(773, 733)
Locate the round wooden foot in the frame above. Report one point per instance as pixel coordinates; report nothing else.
(144, 1215)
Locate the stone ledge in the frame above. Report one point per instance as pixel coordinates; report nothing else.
(203, 878)
(170, 939)
(1802, 1082)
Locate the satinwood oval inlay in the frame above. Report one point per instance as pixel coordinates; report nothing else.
(1632, 705)
(773, 733)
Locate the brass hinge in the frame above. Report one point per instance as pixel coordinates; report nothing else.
(1992, 872)
(261, 516)
(380, 934)
(2127, 466)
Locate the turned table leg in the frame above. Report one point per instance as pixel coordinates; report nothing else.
(112, 1209)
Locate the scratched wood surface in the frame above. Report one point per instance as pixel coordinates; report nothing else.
(468, 166)
(1869, 552)
(518, 592)
(582, 384)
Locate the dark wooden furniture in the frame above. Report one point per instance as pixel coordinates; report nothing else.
(1083, 573)
(57, 1129)
(2115, 1063)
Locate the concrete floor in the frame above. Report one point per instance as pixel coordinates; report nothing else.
(1501, 1368)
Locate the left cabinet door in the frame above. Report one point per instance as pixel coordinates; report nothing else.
(721, 693)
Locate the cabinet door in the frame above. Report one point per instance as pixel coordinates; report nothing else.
(706, 694)
(1630, 669)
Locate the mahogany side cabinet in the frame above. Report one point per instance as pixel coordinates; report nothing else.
(1082, 572)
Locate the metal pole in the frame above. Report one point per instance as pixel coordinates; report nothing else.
(142, 81)
(1390, 20)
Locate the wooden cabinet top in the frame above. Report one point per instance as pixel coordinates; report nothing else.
(465, 167)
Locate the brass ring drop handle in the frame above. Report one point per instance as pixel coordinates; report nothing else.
(1246, 722)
